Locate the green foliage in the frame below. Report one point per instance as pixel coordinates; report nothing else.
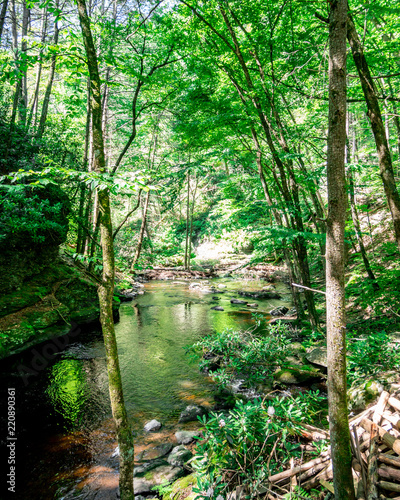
(371, 355)
(251, 353)
(245, 446)
(32, 214)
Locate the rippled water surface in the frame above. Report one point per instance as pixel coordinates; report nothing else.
(64, 416)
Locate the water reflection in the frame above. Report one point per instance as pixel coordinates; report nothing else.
(67, 390)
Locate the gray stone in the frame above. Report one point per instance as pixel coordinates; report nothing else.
(252, 305)
(152, 426)
(318, 356)
(191, 412)
(186, 437)
(279, 311)
(179, 456)
(217, 308)
(153, 453)
(237, 301)
(261, 295)
(156, 477)
(143, 469)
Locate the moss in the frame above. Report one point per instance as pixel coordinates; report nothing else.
(296, 375)
(182, 489)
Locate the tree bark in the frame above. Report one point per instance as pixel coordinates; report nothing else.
(47, 94)
(335, 297)
(106, 286)
(3, 16)
(187, 220)
(357, 229)
(141, 233)
(378, 127)
(35, 102)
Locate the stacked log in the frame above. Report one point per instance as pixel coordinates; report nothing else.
(375, 445)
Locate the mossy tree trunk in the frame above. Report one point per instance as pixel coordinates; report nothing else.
(106, 287)
(377, 125)
(335, 297)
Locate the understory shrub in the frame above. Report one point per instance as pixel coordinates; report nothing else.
(248, 444)
(371, 355)
(253, 354)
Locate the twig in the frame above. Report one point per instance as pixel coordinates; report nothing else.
(310, 289)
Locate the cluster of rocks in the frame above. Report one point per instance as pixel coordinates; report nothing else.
(165, 462)
(129, 294)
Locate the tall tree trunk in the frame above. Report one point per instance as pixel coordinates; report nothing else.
(35, 101)
(106, 286)
(24, 47)
(47, 94)
(141, 233)
(335, 296)
(278, 218)
(187, 220)
(191, 220)
(357, 229)
(83, 221)
(3, 13)
(378, 127)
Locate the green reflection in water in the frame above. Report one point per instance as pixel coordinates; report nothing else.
(67, 390)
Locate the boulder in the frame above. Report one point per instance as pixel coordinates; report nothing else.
(153, 426)
(142, 469)
(318, 356)
(279, 311)
(179, 456)
(191, 412)
(154, 453)
(252, 305)
(217, 308)
(295, 375)
(156, 477)
(221, 286)
(186, 437)
(237, 301)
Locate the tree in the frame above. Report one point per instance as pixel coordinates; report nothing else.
(106, 286)
(335, 296)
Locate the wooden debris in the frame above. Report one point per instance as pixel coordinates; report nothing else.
(375, 446)
(373, 464)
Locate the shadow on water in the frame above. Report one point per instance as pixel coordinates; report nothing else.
(64, 427)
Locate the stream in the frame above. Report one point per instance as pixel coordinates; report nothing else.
(65, 438)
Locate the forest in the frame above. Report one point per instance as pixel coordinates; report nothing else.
(199, 249)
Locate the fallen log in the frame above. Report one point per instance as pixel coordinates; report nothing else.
(393, 419)
(326, 474)
(389, 440)
(389, 460)
(373, 464)
(276, 478)
(311, 472)
(385, 485)
(395, 403)
(380, 407)
(389, 473)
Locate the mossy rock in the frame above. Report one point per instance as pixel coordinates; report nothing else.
(182, 489)
(292, 375)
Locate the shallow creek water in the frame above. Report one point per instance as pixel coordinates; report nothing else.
(64, 426)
